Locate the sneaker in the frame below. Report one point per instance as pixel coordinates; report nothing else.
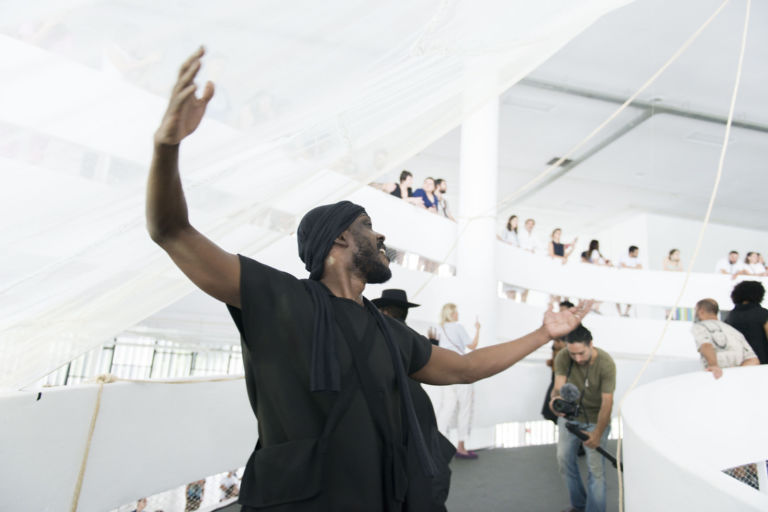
(469, 455)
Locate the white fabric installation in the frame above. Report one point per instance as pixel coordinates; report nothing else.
(313, 100)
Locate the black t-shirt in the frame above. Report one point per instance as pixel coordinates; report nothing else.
(750, 320)
(397, 192)
(276, 323)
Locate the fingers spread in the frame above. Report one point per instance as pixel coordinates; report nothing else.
(190, 60)
(188, 77)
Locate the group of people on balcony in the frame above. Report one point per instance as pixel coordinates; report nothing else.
(431, 195)
(752, 265)
(558, 250)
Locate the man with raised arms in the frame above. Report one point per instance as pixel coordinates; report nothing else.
(325, 371)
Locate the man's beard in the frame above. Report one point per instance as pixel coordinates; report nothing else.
(367, 261)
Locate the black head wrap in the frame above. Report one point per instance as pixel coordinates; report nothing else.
(318, 230)
(316, 234)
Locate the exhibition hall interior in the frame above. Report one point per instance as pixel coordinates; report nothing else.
(600, 160)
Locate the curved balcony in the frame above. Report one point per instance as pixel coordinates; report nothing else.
(680, 435)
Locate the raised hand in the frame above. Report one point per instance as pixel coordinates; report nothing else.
(185, 110)
(561, 323)
(477, 323)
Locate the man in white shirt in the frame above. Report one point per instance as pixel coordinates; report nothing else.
(720, 345)
(730, 265)
(528, 240)
(629, 260)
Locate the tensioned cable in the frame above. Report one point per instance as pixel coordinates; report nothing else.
(511, 197)
(108, 379)
(699, 241)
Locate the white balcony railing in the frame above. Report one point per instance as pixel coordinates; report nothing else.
(681, 433)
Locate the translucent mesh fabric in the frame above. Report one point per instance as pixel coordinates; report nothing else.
(313, 100)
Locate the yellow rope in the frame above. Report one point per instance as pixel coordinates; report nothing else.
(102, 379)
(108, 379)
(699, 241)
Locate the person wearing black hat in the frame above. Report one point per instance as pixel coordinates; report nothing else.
(326, 373)
(394, 303)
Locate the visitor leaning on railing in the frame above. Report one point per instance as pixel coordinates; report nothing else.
(720, 345)
(403, 189)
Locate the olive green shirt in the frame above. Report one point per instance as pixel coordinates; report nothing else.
(593, 380)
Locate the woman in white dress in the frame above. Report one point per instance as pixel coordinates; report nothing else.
(752, 265)
(457, 399)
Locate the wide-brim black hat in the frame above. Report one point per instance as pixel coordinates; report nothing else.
(394, 297)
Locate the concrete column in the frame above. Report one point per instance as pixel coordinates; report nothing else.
(476, 251)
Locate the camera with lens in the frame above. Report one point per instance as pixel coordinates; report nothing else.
(567, 407)
(568, 402)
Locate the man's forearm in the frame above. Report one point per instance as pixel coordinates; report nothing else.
(488, 361)
(603, 419)
(166, 207)
(708, 352)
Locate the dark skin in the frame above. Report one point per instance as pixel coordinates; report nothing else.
(217, 272)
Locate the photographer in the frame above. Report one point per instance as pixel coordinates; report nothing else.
(588, 408)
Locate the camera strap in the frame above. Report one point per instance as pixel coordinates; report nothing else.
(581, 395)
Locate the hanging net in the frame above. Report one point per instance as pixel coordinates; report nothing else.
(313, 100)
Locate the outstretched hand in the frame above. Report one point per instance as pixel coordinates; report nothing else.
(561, 323)
(185, 110)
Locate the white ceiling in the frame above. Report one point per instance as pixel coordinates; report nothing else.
(667, 163)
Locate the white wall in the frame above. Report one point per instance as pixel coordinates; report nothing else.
(665, 233)
(148, 438)
(680, 433)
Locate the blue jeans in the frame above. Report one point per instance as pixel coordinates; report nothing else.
(592, 500)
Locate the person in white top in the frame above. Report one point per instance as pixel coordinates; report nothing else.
(752, 265)
(672, 261)
(730, 265)
(510, 236)
(720, 345)
(595, 256)
(629, 260)
(457, 399)
(527, 239)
